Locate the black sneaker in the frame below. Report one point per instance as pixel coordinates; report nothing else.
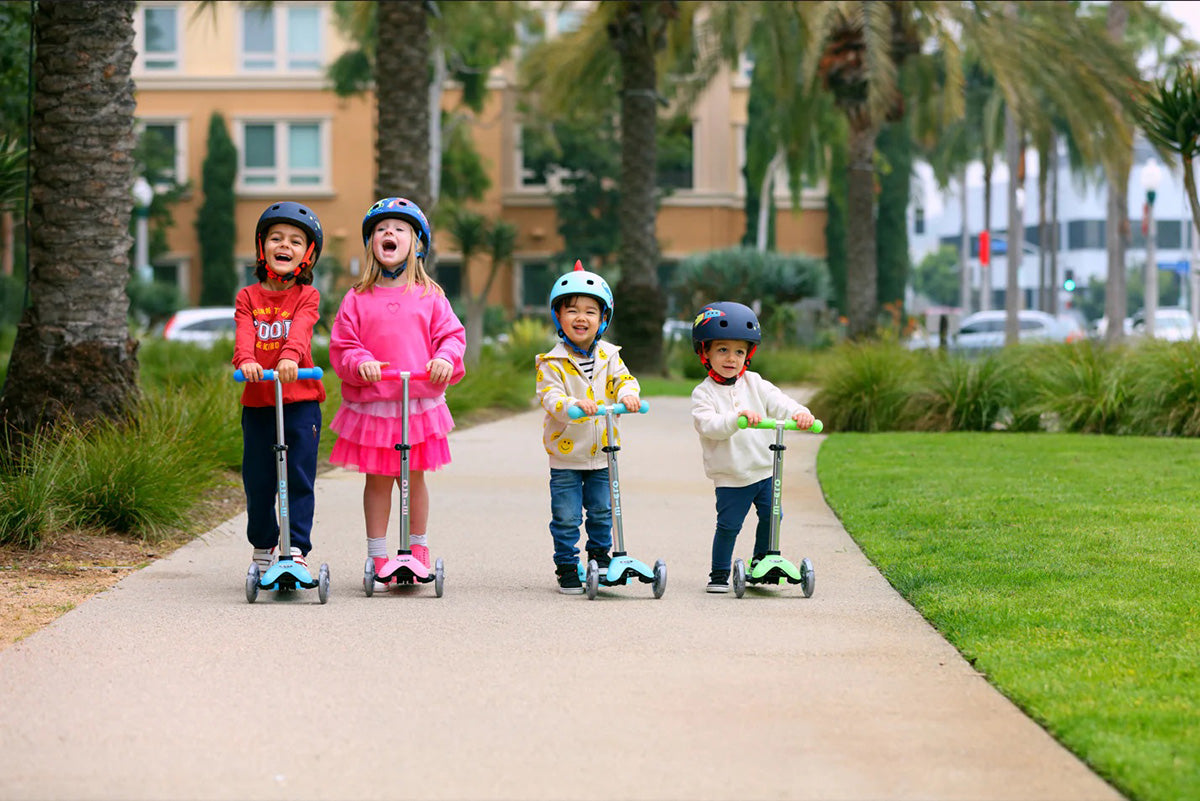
(718, 581)
(568, 579)
(601, 558)
(754, 560)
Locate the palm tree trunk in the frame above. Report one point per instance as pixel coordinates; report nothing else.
(964, 249)
(765, 206)
(1045, 288)
(1016, 228)
(861, 279)
(1117, 225)
(402, 102)
(640, 306)
(985, 270)
(73, 355)
(1054, 222)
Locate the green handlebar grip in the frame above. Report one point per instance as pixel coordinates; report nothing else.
(788, 425)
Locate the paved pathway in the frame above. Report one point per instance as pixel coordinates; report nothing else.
(170, 685)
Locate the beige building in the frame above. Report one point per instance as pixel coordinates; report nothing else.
(263, 70)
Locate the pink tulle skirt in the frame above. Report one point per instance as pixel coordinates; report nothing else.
(369, 432)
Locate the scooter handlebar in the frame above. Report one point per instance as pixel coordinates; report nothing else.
(788, 425)
(269, 375)
(618, 408)
(394, 374)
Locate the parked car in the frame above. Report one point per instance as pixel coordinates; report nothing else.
(984, 331)
(1171, 324)
(204, 326)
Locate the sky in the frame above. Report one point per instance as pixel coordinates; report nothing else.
(1186, 12)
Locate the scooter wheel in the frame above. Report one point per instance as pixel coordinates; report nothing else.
(252, 583)
(660, 578)
(592, 580)
(323, 584)
(439, 577)
(739, 577)
(369, 577)
(808, 579)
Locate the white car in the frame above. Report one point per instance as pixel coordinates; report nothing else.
(1171, 324)
(984, 331)
(204, 326)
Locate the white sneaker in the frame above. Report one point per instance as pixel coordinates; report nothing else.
(298, 558)
(264, 558)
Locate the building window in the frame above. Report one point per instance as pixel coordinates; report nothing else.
(537, 278)
(163, 144)
(918, 221)
(449, 277)
(283, 38)
(675, 154)
(159, 45)
(1085, 235)
(283, 155)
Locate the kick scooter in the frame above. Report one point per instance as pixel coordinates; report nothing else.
(623, 569)
(286, 574)
(773, 569)
(404, 568)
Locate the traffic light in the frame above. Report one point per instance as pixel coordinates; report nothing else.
(1069, 280)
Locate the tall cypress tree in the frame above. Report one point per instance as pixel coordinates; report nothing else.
(215, 225)
(894, 145)
(835, 220)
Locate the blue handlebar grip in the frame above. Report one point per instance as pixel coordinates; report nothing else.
(269, 375)
(618, 408)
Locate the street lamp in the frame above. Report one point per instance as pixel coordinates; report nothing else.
(1151, 176)
(143, 194)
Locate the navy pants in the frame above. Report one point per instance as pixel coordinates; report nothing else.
(733, 503)
(572, 491)
(301, 433)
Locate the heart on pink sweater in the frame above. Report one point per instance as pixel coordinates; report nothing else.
(393, 308)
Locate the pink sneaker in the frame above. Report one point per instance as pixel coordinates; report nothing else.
(380, 561)
(421, 554)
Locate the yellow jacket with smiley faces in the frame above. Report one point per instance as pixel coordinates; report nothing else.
(576, 444)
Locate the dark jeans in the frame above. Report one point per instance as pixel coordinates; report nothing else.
(733, 503)
(302, 433)
(572, 491)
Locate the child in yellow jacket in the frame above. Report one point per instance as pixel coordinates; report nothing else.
(581, 370)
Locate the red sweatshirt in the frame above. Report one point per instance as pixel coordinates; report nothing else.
(273, 325)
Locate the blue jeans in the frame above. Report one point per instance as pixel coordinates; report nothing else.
(572, 491)
(733, 503)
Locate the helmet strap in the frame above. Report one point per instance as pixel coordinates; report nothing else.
(720, 379)
(393, 273)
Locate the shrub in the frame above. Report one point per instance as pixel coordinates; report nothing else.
(960, 394)
(1164, 393)
(866, 388)
(1082, 387)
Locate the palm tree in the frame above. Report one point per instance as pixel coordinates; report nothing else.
(402, 101)
(471, 232)
(73, 355)
(1170, 116)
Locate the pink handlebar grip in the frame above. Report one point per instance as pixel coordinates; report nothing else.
(393, 374)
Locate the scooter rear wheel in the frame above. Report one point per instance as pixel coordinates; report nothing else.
(252, 576)
(369, 577)
(592, 580)
(660, 578)
(323, 583)
(739, 578)
(808, 579)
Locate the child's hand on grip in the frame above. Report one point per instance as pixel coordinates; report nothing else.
(752, 418)
(251, 370)
(440, 371)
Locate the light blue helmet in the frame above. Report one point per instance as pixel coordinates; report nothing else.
(581, 282)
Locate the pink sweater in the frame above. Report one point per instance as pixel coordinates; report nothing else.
(401, 327)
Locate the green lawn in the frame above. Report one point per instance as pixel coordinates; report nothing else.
(1064, 567)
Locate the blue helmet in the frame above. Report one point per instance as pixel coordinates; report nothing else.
(581, 282)
(296, 214)
(725, 320)
(400, 209)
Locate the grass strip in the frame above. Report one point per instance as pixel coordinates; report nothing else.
(1065, 568)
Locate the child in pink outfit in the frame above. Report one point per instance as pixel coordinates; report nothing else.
(396, 316)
